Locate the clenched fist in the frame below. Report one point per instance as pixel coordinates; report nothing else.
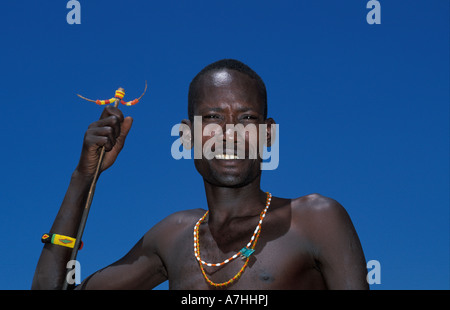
(109, 131)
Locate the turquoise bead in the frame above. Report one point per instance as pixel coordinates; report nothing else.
(246, 252)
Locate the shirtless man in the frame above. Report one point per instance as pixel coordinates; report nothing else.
(304, 243)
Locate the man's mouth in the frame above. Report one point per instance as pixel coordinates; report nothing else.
(226, 156)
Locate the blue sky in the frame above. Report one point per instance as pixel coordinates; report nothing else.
(363, 113)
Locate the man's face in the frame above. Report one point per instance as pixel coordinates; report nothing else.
(229, 97)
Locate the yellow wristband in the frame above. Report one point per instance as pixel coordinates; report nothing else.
(60, 240)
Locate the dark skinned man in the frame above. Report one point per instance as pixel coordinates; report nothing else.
(303, 243)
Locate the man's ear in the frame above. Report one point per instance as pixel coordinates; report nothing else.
(270, 131)
(186, 134)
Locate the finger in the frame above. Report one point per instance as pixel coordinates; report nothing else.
(111, 121)
(126, 126)
(125, 129)
(111, 110)
(106, 131)
(94, 142)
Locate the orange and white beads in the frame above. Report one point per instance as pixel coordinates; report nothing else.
(245, 252)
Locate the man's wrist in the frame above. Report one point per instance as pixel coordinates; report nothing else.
(80, 176)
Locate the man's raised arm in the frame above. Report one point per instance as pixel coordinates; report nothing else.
(110, 131)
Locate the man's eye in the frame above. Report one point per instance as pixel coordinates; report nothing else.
(249, 117)
(211, 116)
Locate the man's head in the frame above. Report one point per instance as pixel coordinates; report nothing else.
(226, 93)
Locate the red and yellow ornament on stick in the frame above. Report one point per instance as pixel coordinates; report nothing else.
(120, 93)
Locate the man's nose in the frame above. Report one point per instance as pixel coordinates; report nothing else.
(229, 132)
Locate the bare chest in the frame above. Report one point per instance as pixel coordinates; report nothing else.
(280, 261)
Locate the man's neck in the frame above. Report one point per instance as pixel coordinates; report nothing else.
(226, 203)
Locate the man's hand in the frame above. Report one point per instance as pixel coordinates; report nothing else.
(109, 131)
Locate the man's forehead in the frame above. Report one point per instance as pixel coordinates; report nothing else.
(226, 77)
(221, 81)
(221, 87)
(221, 93)
(221, 78)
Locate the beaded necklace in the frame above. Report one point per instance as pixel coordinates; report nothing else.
(245, 252)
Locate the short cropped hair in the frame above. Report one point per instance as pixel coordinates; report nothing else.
(230, 64)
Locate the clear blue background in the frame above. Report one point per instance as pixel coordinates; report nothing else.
(363, 113)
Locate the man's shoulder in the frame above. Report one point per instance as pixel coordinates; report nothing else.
(315, 203)
(316, 207)
(173, 226)
(180, 220)
(184, 217)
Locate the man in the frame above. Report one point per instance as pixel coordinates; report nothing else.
(303, 243)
